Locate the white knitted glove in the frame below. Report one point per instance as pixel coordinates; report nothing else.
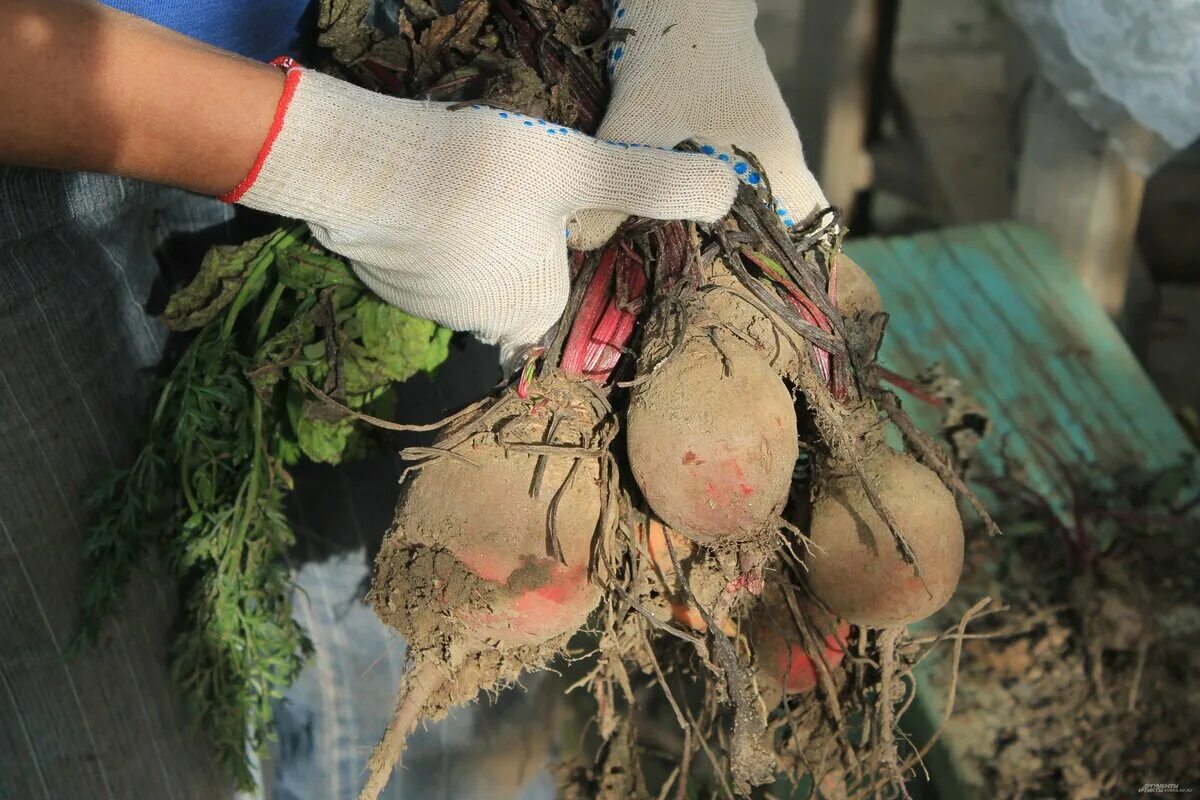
(690, 70)
(459, 216)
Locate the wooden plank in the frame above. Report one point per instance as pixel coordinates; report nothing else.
(829, 93)
(953, 96)
(1073, 182)
(999, 307)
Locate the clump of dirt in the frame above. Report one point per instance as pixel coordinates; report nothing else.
(1086, 686)
(428, 584)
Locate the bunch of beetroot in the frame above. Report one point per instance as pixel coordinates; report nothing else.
(695, 455)
(647, 456)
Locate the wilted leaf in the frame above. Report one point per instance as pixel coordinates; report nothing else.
(421, 10)
(563, 105)
(455, 85)
(395, 53)
(221, 275)
(579, 25)
(513, 85)
(455, 31)
(468, 20)
(344, 30)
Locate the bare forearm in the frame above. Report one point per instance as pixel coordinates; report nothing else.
(88, 88)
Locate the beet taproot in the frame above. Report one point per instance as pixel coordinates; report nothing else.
(712, 441)
(855, 568)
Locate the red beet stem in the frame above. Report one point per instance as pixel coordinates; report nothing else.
(595, 299)
(824, 361)
(909, 386)
(607, 343)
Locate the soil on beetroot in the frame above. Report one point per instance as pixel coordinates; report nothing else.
(861, 574)
(464, 570)
(660, 590)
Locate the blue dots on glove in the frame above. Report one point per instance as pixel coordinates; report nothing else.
(741, 168)
(750, 176)
(550, 128)
(617, 50)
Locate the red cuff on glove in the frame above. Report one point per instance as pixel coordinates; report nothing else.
(292, 68)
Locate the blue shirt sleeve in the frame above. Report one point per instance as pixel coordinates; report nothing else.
(260, 29)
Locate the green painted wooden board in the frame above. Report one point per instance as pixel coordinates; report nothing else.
(998, 307)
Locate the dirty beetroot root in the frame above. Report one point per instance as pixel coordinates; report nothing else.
(783, 663)
(712, 441)
(470, 574)
(856, 568)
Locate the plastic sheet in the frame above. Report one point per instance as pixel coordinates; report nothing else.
(1123, 65)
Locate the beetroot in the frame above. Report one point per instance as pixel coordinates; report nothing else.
(784, 664)
(486, 570)
(856, 569)
(712, 441)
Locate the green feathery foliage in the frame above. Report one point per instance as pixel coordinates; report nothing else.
(273, 319)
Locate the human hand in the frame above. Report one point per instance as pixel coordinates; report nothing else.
(697, 71)
(460, 215)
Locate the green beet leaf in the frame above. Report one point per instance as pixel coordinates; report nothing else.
(305, 269)
(403, 344)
